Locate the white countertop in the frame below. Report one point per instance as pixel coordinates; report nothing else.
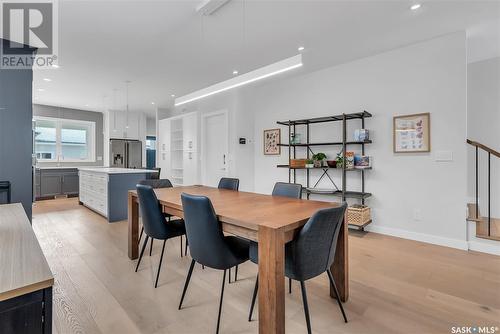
(60, 167)
(112, 170)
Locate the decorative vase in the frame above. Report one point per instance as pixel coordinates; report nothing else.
(318, 163)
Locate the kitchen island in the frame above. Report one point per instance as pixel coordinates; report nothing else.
(105, 190)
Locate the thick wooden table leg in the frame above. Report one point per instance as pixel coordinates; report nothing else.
(271, 280)
(340, 266)
(133, 227)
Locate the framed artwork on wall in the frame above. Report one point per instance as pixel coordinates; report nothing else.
(272, 138)
(412, 133)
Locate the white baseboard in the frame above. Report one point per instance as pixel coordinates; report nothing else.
(484, 247)
(430, 239)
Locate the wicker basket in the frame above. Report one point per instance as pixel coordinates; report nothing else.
(298, 163)
(359, 215)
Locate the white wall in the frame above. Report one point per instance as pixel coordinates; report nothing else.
(240, 158)
(150, 126)
(483, 125)
(425, 77)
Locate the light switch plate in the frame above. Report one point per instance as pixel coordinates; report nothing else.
(443, 156)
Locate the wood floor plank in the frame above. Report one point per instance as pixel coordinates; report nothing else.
(396, 285)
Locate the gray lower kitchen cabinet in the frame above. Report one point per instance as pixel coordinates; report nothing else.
(50, 184)
(38, 190)
(70, 183)
(56, 182)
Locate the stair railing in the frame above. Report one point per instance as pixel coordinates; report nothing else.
(490, 152)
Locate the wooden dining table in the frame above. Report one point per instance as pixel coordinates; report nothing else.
(272, 221)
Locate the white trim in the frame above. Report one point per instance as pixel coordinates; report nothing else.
(430, 239)
(483, 247)
(204, 116)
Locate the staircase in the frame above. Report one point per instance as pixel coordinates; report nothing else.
(486, 227)
(482, 224)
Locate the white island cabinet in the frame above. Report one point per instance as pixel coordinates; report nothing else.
(105, 190)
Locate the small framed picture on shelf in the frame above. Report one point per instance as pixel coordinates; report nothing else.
(362, 162)
(272, 139)
(411, 133)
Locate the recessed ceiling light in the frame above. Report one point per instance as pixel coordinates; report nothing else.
(152, 103)
(301, 48)
(173, 95)
(47, 79)
(87, 105)
(415, 6)
(41, 90)
(55, 66)
(235, 72)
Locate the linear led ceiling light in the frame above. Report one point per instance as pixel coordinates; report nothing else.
(240, 80)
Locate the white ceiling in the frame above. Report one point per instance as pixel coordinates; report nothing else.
(166, 47)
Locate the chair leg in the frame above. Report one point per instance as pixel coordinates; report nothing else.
(142, 252)
(236, 274)
(254, 297)
(306, 306)
(181, 246)
(332, 282)
(159, 266)
(220, 303)
(289, 285)
(186, 250)
(188, 278)
(229, 275)
(151, 247)
(140, 236)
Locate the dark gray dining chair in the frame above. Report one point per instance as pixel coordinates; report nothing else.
(156, 184)
(155, 225)
(156, 175)
(292, 190)
(207, 243)
(229, 183)
(5, 188)
(310, 254)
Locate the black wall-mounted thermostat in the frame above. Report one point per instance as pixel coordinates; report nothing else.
(243, 140)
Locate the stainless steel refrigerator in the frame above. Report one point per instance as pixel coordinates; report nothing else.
(125, 153)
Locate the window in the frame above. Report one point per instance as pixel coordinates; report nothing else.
(62, 140)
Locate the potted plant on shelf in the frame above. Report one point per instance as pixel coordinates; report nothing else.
(309, 163)
(319, 159)
(340, 160)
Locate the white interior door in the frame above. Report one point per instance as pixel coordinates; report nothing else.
(214, 147)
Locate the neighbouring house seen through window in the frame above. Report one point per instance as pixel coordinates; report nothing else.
(62, 140)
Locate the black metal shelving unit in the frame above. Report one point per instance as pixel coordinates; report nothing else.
(292, 154)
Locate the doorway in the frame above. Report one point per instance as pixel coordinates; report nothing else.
(150, 152)
(214, 147)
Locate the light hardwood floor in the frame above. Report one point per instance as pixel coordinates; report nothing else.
(397, 285)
